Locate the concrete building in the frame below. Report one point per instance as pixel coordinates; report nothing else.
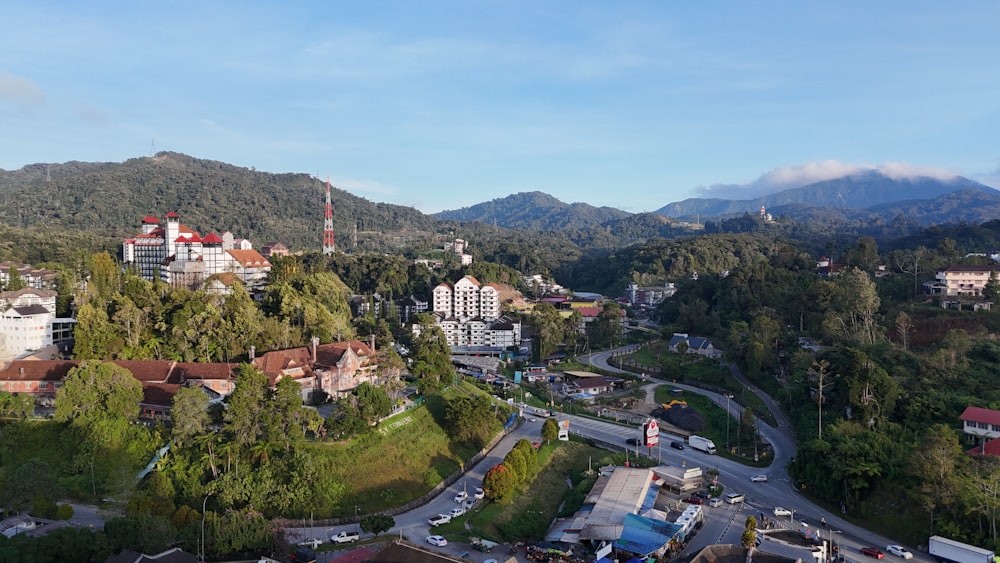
(177, 255)
(28, 322)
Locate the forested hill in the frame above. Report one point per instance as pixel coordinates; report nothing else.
(208, 195)
(860, 191)
(534, 211)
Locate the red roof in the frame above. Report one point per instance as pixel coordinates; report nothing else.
(173, 215)
(212, 238)
(989, 448)
(978, 414)
(151, 220)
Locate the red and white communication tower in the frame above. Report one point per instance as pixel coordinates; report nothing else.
(328, 245)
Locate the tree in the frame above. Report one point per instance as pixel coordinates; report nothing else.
(499, 482)
(749, 537)
(373, 402)
(431, 357)
(934, 462)
(903, 328)
(14, 281)
(246, 406)
(818, 373)
(189, 413)
(991, 290)
(95, 391)
(550, 430)
(471, 419)
(377, 523)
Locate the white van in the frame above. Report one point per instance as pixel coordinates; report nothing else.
(735, 498)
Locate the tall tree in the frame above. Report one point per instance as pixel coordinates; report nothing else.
(934, 462)
(95, 391)
(189, 413)
(244, 417)
(14, 280)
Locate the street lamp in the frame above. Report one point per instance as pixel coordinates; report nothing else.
(357, 509)
(830, 549)
(203, 526)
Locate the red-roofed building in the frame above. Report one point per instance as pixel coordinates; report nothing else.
(179, 256)
(980, 422)
(161, 379)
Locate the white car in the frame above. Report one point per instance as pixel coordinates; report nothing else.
(456, 512)
(468, 504)
(758, 478)
(779, 511)
(715, 501)
(437, 540)
(461, 496)
(899, 551)
(439, 519)
(479, 493)
(311, 542)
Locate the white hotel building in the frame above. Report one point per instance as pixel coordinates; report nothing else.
(469, 314)
(175, 254)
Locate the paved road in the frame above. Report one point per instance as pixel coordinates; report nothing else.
(413, 525)
(762, 497)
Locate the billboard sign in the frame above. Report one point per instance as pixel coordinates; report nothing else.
(651, 432)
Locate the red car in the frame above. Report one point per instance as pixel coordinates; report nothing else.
(693, 500)
(873, 552)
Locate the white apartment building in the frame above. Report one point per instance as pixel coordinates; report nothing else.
(468, 313)
(175, 254)
(961, 280)
(28, 322)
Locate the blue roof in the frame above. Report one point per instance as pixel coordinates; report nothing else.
(645, 535)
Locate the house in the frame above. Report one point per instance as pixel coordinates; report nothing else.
(589, 383)
(980, 422)
(826, 267)
(649, 296)
(37, 278)
(961, 280)
(335, 369)
(273, 249)
(160, 379)
(28, 322)
(694, 345)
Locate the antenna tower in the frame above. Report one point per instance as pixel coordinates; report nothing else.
(328, 245)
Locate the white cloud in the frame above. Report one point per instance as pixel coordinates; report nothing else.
(789, 177)
(23, 92)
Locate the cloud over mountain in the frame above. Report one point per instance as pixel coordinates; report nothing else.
(789, 177)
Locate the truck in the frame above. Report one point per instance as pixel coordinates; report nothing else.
(951, 550)
(345, 537)
(703, 444)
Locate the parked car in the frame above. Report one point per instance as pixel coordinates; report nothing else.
(311, 542)
(899, 551)
(694, 500)
(461, 496)
(479, 493)
(779, 511)
(633, 441)
(758, 478)
(439, 519)
(703, 494)
(677, 445)
(468, 504)
(715, 502)
(345, 537)
(437, 540)
(873, 552)
(456, 512)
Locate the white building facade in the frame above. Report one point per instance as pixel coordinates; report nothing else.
(175, 254)
(468, 313)
(28, 322)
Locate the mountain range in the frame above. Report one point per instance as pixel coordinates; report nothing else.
(866, 196)
(112, 198)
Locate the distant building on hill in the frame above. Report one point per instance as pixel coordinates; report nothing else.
(468, 312)
(175, 254)
(28, 322)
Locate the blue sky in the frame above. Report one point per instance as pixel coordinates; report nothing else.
(445, 104)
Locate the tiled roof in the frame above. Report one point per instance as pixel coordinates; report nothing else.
(992, 447)
(150, 220)
(978, 414)
(37, 370)
(249, 258)
(151, 371)
(32, 310)
(227, 279)
(43, 293)
(191, 370)
(276, 362)
(173, 215)
(161, 394)
(969, 268)
(472, 279)
(212, 238)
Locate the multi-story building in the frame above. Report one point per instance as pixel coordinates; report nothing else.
(38, 278)
(28, 322)
(961, 280)
(175, 254)
(468, 313)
